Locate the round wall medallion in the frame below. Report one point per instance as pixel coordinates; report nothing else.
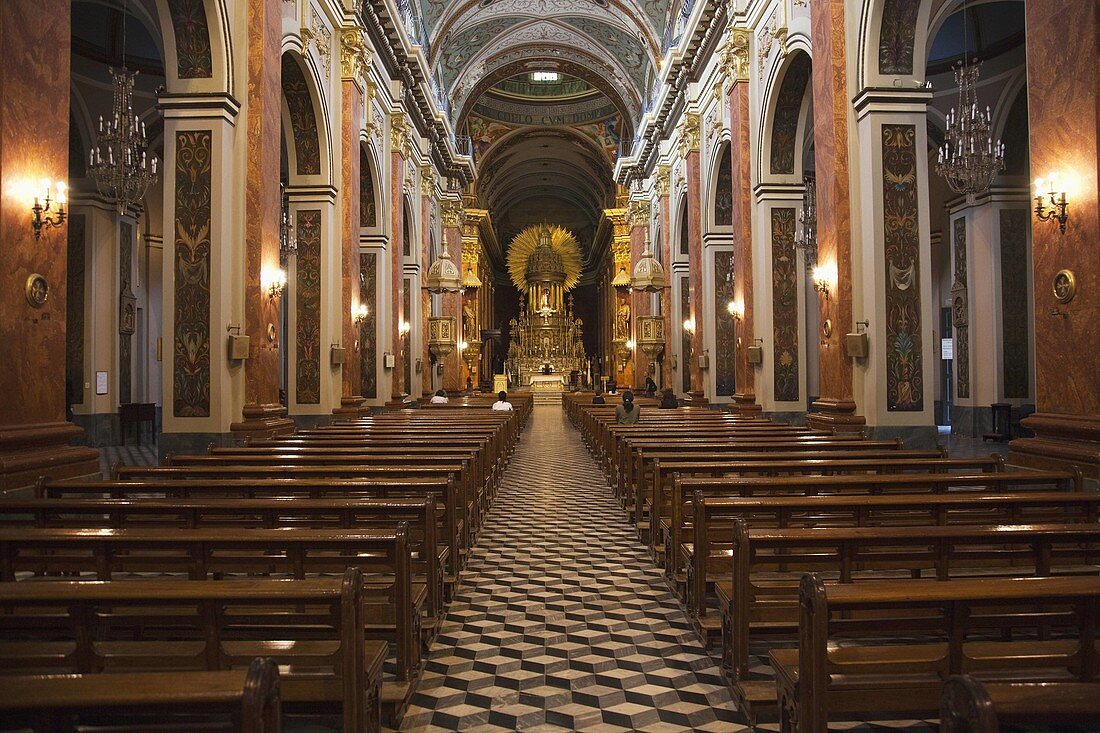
(271, 332)
(827, 328)
(37, 290)
(1065, 286)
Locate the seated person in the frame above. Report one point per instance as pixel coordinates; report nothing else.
(650, 387)
(598, 399)
(627, 413)
(439, 398)
(668, 400)
(502, 402)
(612, 388)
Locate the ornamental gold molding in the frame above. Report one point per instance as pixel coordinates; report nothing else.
(428, 180)
(320, 36)
(689, 134)
(734, 57)
(637, 214)
(400, 134)
(355, 56)
(662, 179)
(452, 214)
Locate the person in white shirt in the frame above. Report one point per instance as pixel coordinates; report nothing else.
(502, 402)
(439, 398)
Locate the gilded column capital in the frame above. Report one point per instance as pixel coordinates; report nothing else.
(355, 56)
(734, 56)
(637, 214)
(662, 179)
(400, 134)
(428, 180)
(689, 134)
(451, 213)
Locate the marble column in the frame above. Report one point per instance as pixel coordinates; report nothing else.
(637, 219)
(34, 435)
(1063, 89)
(352, 68)
(400, 142)
(663, 251)
(744, 398)
(428, 198)
(263, 415)
(891, 287)
(689, 150)
(454, 375)
(835, 407)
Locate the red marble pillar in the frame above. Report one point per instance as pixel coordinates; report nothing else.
(263, 415)
(1063, 82)
(835, 407)
(641, 302)
(454, 376)
(399, 141)
(34, 137)
(662, 184)
(695, 264)
(745, 396)
(427, 195)
(351, 402)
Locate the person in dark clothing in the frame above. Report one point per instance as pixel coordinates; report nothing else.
(627, 413)
(598, 399)
(668, 400)
(650, 387)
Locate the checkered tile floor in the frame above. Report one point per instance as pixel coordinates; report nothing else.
(563, 623)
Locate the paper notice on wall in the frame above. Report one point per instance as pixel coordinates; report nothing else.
(101, 382)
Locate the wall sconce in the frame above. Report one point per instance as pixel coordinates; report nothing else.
(273, 281)
(403, 328)
(823, 277)
(736, 309)
(1058, 205)
(359, 314)
(689, 325)
(41, 211)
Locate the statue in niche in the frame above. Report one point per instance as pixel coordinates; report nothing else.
(469, 325)
(622, 322)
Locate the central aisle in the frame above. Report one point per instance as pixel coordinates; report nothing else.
(562, 622)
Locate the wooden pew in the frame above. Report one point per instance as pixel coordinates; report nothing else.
(244, 701)
(761, 597)
(394, 604)
(141, 511)
(685, 479)
(969, 706)
(1026, 629)
(311, 628)
(319, 481)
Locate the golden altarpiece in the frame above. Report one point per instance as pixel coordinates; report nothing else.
(544, 263)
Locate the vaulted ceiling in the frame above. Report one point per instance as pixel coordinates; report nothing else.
(612, 44)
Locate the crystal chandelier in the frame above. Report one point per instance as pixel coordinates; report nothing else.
(969, 160)
(119, 162)
(806, 239)
(288, 237)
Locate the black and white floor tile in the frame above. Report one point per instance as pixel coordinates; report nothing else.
(563, 623)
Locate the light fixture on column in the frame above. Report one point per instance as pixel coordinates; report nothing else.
(806, 239)
(689, 325)
(1057, 195)
(736, 309)
(403, 328)
(823, 277)
(359, 314)
(273, 281)
(969, 159)
(648, 276)
(120, 161)
(45, 201)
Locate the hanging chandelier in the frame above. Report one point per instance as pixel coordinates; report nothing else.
(806, 239)
(120, 162)
(288, 237)
(969, 159)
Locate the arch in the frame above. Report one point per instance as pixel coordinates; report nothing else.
(300, 117)
(721, 208)
(895, 34)
(197, 48)
(408, 227)
(1011, 127)
(784, 118)
(368, 194)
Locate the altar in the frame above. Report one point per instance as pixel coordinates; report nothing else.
(546, 389)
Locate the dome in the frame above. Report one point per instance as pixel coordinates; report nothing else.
(544, 263)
